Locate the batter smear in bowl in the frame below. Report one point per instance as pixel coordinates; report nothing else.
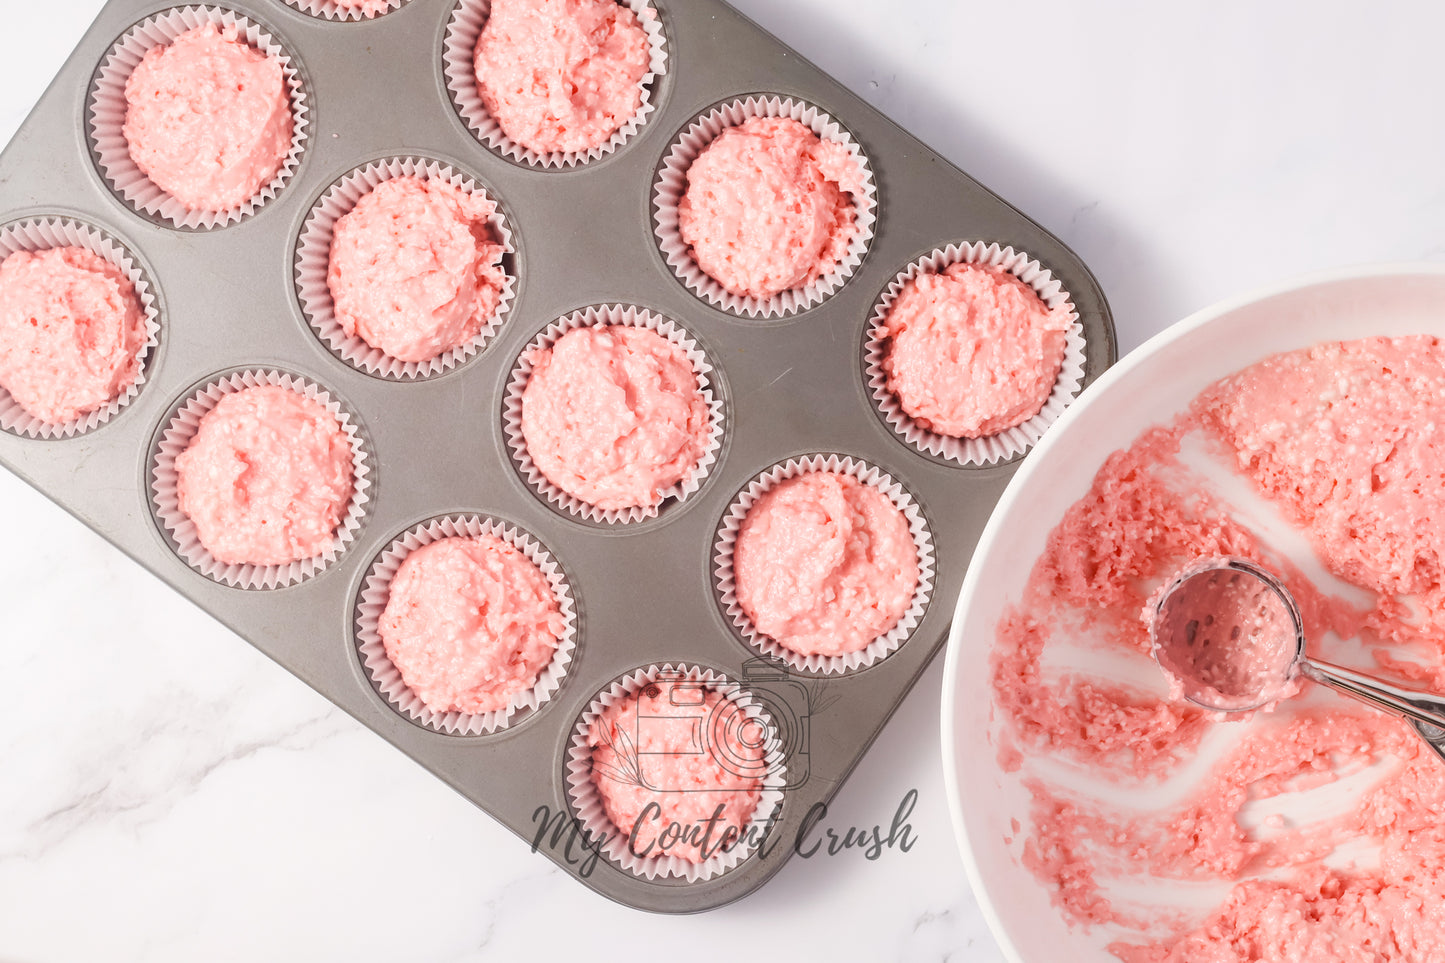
(1344, 443)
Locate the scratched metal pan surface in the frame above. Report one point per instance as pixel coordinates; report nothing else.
(584, 235)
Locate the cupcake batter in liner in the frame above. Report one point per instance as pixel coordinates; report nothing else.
(1010, 442)
(387, 678)
(180, 531)
(605, 315)
(459, 67)
(107, 108)
(726, 582)
(38, 234)
(672, 185)
(313, 250)
(355, 10)
(587, 802)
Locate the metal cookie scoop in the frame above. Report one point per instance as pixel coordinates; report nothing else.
(1229, 636)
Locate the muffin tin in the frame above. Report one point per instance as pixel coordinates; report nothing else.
(646, 592)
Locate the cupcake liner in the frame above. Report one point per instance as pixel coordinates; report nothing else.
(177, 435)
(587, 802)
(328, 10)
(1011, 441)
(313, 253)
(459, 66)
(387, 678)
(672, 184)
(522, 373)
(107, 112)
(39, 234)
(727, 586)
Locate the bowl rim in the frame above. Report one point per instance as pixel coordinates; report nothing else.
(1036, 463)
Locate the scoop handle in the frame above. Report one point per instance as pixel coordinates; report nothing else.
(1413, 704)
(1433, 735)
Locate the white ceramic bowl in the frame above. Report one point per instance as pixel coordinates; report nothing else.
(1148, 387)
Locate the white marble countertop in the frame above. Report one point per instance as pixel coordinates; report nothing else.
(166, 793)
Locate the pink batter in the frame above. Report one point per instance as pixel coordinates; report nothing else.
(682, 748)
(769, 206)
(1225, 638)
(470, 623)
(71, 332)
(972, 350)
(415, 268)
(1347, 439)
(267, 477)
(561, 75)
(613, 415)
(825, 564)
(368, 7)
(208, 118)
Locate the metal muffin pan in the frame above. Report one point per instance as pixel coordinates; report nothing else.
(645, 592)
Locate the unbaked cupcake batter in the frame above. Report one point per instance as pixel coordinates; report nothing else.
(665, 747)
(267, 478)
(972, 350)
(415, 268)
(71, 332)
(613, 415)
(561, 75)
(470, 623)
(769, 206)
(824, 564)
(208, 118)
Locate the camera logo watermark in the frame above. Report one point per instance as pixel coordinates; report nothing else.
(687, 736)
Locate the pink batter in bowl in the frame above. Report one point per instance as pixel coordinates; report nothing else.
(1103, 819)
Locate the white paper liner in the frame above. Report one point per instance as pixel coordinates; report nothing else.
(327, 10)
(604, 315)
(727, 536)
(313, 254)
(672, 184)
(587, 802)
(459, 66)
(384, 674)
(107, 109)
(39, 234)
(177, 436)
(1011, 441)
